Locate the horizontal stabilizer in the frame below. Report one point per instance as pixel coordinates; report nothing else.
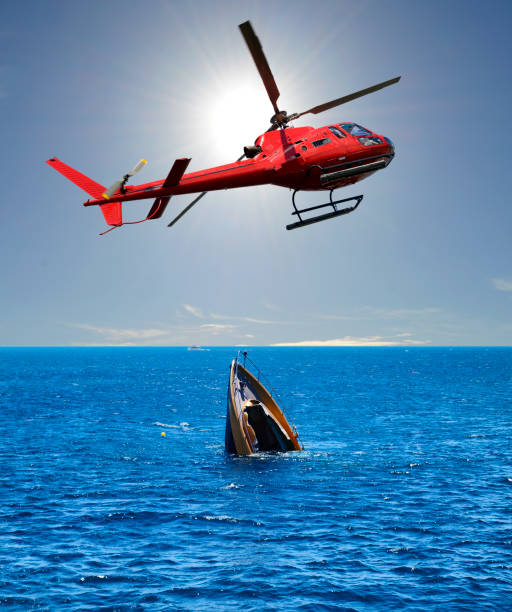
(84, 182)
(173, 179)
(176, 172)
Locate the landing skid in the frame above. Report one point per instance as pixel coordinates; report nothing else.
(336, 212)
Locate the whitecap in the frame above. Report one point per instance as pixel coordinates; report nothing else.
(398, 549)
(183, 425)
(222, 518)
(93, 578)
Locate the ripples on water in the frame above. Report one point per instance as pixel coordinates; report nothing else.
(402, 499)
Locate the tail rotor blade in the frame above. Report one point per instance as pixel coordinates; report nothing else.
(137, 167)
(120, 184)
(112, 189)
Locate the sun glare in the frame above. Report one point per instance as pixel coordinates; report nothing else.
(239, 114)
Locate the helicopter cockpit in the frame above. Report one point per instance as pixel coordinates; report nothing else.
(364, 136)
(354, 129)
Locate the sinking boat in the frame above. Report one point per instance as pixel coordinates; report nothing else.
(254, 421)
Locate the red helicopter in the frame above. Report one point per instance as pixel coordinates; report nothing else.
(300, 158)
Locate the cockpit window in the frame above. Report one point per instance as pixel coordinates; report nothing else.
(367, 141)
(322, 141)
(336, 131)
(354, 129)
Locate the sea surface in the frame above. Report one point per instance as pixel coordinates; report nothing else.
(402, 498)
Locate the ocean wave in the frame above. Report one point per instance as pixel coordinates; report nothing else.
(399, 501)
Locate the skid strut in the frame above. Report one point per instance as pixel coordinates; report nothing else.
(334, 203)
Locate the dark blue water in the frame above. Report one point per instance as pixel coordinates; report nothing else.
(401, 500)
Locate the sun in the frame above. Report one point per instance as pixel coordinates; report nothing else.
(240, 112)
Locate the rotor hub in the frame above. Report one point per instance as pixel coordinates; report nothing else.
(280, 119)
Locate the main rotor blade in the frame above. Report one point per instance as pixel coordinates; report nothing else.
(260, 60)
(193, 203)
(358, 94)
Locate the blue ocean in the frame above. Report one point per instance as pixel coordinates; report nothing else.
(402, 498)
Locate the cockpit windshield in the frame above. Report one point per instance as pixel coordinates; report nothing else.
(354, 129)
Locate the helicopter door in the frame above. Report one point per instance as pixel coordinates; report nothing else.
(321, 150)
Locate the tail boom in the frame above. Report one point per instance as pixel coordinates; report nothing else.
(237, 174)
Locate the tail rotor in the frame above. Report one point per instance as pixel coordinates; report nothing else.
(119, 185)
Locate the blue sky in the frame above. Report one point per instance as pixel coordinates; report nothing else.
(425, 260)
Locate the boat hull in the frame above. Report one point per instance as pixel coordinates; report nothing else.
(254, 421)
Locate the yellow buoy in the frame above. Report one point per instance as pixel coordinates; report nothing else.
(163, 434)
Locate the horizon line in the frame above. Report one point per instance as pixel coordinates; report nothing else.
(245, 346)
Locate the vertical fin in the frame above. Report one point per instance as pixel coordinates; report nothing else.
(84, 182)
(113, 213)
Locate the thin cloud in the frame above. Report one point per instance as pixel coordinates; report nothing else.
(335, 317)
(397, 313)
(219, 317)
(105, 343)
(368, 312)
(113, 334)
(502, 284)
(196, 312)
(217, 328)
(353, 341)
(272, 307)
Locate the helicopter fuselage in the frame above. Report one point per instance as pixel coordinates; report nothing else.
(298, 158)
